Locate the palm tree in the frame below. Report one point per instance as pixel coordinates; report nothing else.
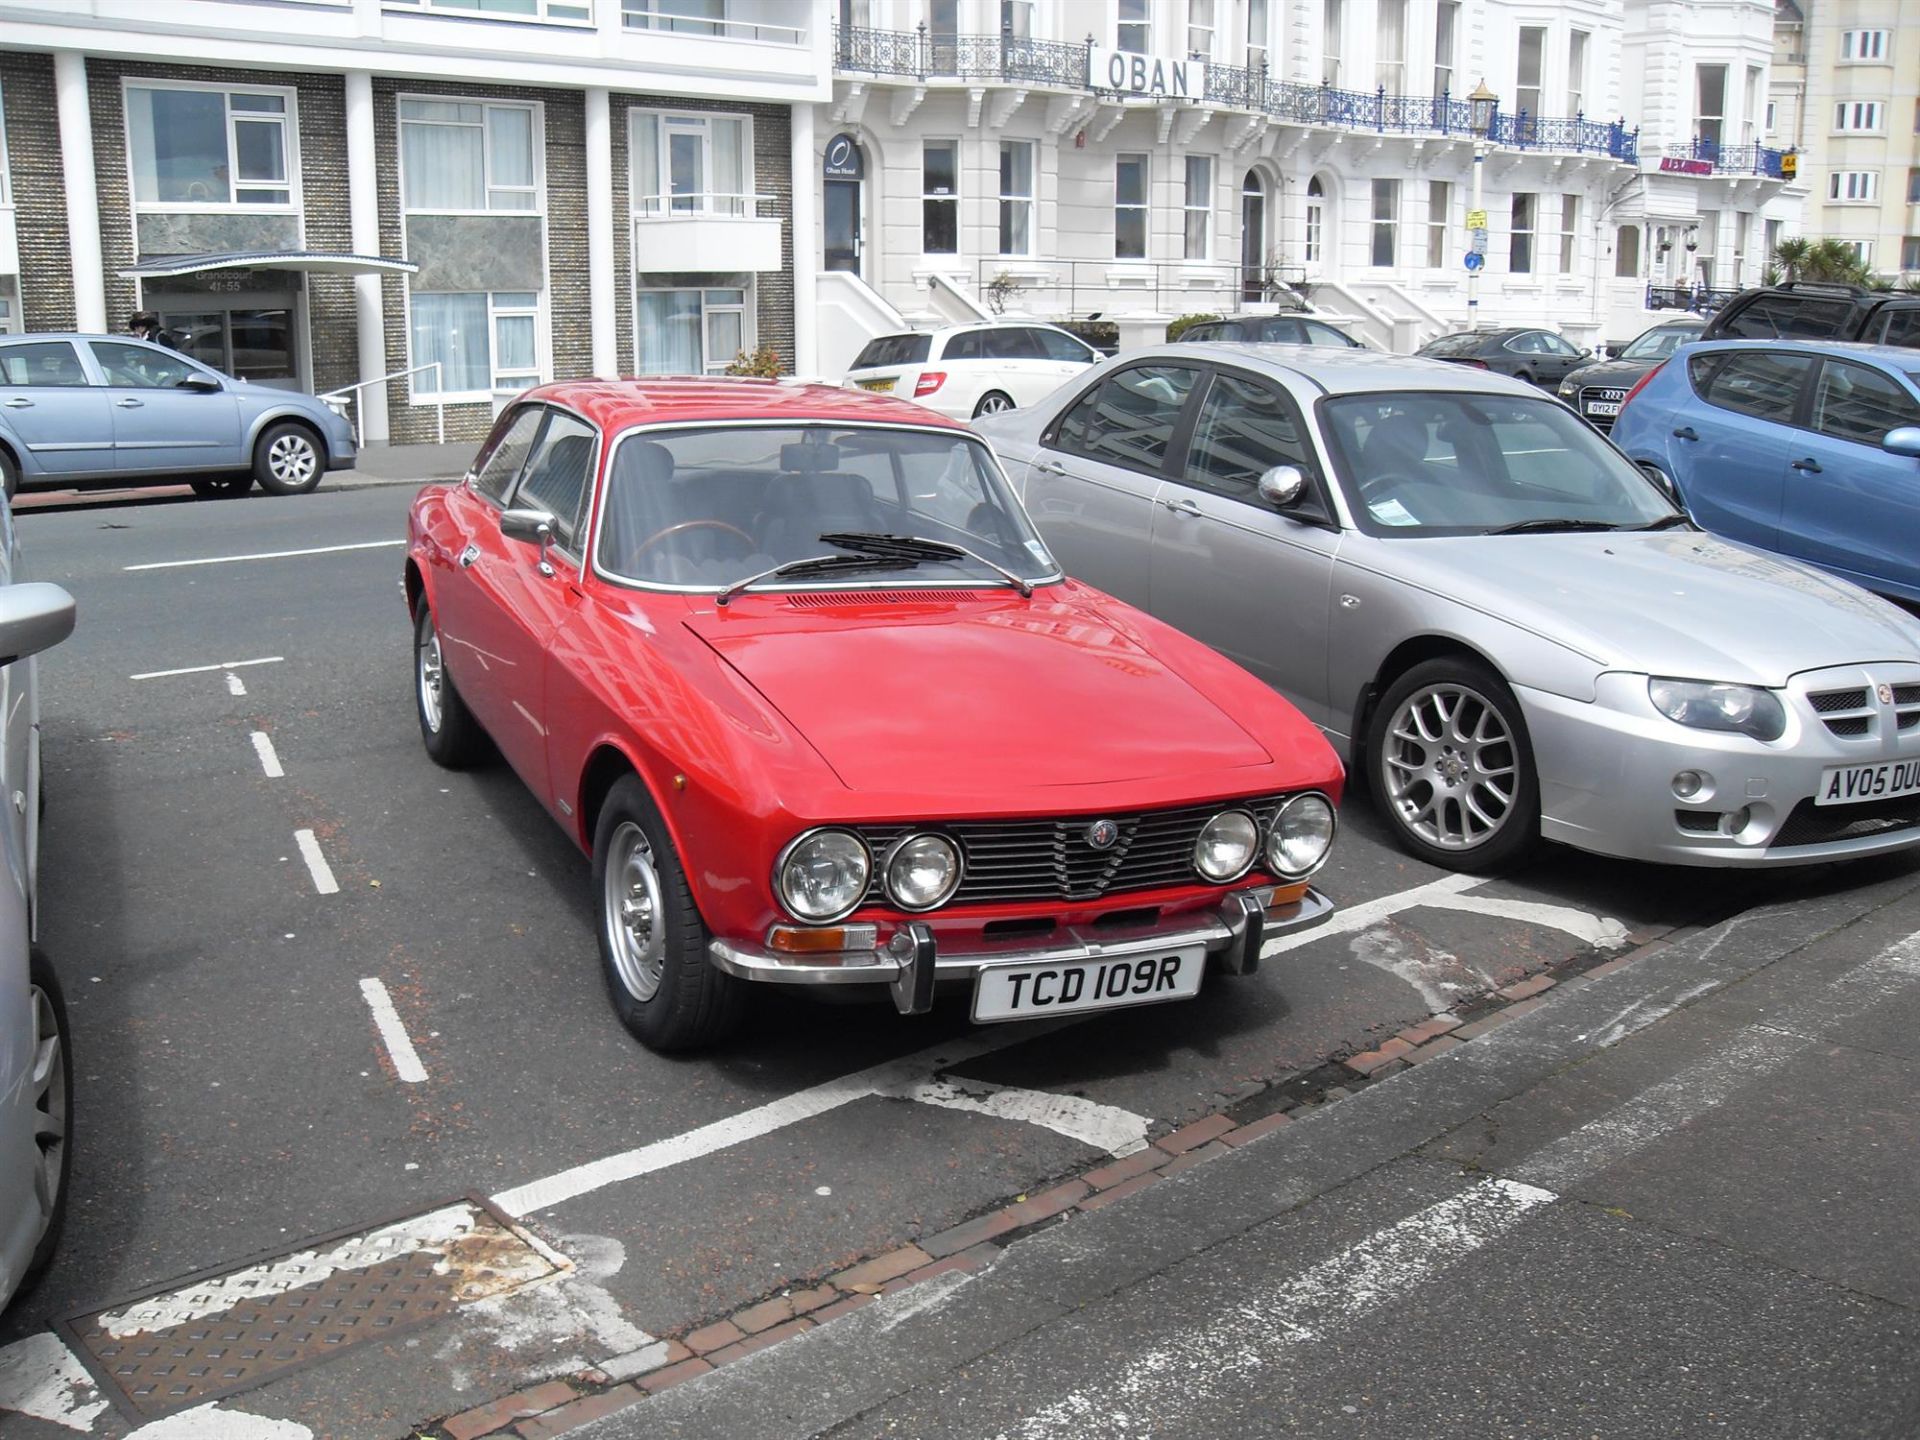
(1790, 255)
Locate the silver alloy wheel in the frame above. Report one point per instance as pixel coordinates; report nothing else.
(630, 911)
(995, 403)
(1450, 767)
(292, 459)
(432, 675)
(49, 1081)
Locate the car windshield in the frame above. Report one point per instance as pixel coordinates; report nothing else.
(1457, 464)
(1660, 342)
(1455, 344)
(713, 506)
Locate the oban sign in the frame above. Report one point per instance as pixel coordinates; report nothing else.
(1149, 75)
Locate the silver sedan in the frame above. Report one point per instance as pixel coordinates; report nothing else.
(1511, 632)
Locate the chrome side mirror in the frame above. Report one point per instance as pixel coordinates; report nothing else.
(531, 527)
(1283, 485)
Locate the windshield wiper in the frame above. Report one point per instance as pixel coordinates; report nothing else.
(819, 565)
(1551, 522)
(1668, 522)
(915, 548)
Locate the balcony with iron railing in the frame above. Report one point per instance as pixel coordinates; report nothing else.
(1018, 60)
(1750, 159)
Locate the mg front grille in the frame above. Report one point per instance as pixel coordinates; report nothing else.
(1811, 824)
(1854, 711)
(1825, 702)
(1051, 860)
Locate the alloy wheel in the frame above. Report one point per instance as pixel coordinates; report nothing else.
(1450, 767)
(432, 675)
(292, 459)
(994, 404)
(631, 912)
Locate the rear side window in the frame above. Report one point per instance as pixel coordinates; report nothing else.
(1454, 345)
(1759, 384)
(969, 345)
(1318, 334)
(44, 362)
(1129, 420)
(1853, 402)
(1280, 332)
(1016, 342)
(1782, 317)
(502, 467)
(893, 350)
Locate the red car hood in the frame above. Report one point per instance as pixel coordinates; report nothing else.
(980, 697)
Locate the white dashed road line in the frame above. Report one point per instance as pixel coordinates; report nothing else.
(204, 669)
(264, 555)
(269, 761)
(406, 1060)
(317, 866)
(235, 685)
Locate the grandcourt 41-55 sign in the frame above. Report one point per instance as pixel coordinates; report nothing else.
(1151, 75)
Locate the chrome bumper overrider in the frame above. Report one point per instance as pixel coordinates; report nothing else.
(911, 963)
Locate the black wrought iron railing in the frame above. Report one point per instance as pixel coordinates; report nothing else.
(923, 54)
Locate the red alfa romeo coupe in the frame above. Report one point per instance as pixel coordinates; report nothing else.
(792, 665)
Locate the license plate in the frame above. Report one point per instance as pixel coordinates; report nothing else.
(1852, 784)
(1025, 991)
(1603, 408)
(881, 385)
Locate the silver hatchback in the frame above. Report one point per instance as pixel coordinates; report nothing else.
(1511, 631)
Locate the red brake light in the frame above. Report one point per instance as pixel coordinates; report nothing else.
(929, 381)
(1638, 386)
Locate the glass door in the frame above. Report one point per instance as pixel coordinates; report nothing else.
(843, 225)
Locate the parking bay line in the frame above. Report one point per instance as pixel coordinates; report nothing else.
(204, 669)
(263, 555)
(406, 1060)
(269, 761)
(317, 866)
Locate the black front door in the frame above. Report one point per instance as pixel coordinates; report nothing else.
(843, 225)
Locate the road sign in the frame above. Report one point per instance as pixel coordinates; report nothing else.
(1476, 219)
(1479, 245)
(1475, 260)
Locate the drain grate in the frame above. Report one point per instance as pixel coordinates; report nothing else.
(225, 1331)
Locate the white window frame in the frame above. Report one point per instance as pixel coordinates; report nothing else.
(1910, 250)
(747, 309)
(1196, 208)
(1868, 116)
(1026, 201)
(6, 171)
(1864, 47)
(496, 312)
(1538, 88)
(546, 12)
(1145, 207)
(542, 345)
(952, 197)
(1756, 87)
(1772, 117)
(538, 133)
(1333, 26)
(289, 121)
(665, 120)
(1569, 232)
(1390, 59)
(1259, 32)
(1446, 28)
(1579, 54)
(1862, 250)
(1390, 223)
(1531, 231)
(1437, 220)
(1143, 10)
(1201, 31)
(1701, 117)
(1313, 228)
(1853, 187)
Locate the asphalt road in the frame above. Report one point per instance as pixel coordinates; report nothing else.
(236, 1093)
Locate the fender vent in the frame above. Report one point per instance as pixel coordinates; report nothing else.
(829, 599)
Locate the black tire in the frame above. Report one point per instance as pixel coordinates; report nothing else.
(453, 738)
(289, 459)
(9, 476)
(221, 487)
(1423, 790)
(994, 402)
(636, 872)
(46, 985)
(1523, 377)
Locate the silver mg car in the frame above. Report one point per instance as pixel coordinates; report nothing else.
(1513, 633)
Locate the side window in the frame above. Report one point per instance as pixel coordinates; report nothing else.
(1758, 384)
(1058, 345)
(1280, 332)
(44, 362)
(1015, 342)
(1527, 343)
(1242, 431)
(1557, 345)
(965, 346)
(500, 469)
(139, 367)
(1901, 327)
(1775, 317)
(1133, 416)
(557, 474)
(1318, 334)
(1204, 332)
(1851, 402)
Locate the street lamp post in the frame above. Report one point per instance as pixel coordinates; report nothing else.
(1481, 106)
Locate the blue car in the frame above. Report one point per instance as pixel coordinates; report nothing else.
(83, 410)
(1811, 450)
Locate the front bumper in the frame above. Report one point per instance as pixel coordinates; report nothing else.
(912, 964)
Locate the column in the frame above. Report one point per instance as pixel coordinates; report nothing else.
(83, 205)
(363, 211)
(600, 279)
(806, 193)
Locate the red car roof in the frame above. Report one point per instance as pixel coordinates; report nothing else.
(614, 405)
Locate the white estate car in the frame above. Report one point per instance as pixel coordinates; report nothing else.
(968, 370)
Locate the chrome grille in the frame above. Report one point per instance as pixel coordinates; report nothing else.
(1050, 859)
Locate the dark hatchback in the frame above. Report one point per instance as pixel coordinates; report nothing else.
(1597, 390)
(1818, 310)
(1526, 353)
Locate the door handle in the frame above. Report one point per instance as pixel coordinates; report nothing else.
(1685, 432)
(1047, 467)
(19, 402)
(127, 402)
(1807, 463)
(468, 556)
(1182, 507)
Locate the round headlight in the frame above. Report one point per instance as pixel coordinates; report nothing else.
(922, 871)
(823, 875)
(1301, 836)
(1226, 847)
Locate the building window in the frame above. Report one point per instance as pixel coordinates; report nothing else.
(690, 164)
(684, 17)
(1913, 185)
(467, 155)
(481, 342)
(1710, 103)
(1533, 48)
(1858, 115)
(1520, 245)
(1332, 24)
(692, 328)
(1569, 231)
(939, 198)
(1863, 44)
(1016, 19)
(1016, 197)
(1910, 253)
(1131, 34)
(1854, 185)
(1772, 116)
(1199, 207)
(1626, 252)
(1577, 72)
(1386, 217)
(1862, 250)
(1742, 227)
(199, 148)
(1446, 20)
(1439, 207)
(573, 11)
(1756, 99)
(1314, 236)
(1130, 207)
(1390, 53)
(1200, 29)
(1772, 240)
(1257, 33)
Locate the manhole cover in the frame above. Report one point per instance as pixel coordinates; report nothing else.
(230, 1330)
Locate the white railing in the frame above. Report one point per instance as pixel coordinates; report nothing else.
(698, 204)
(345, 391)
(637, 19)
